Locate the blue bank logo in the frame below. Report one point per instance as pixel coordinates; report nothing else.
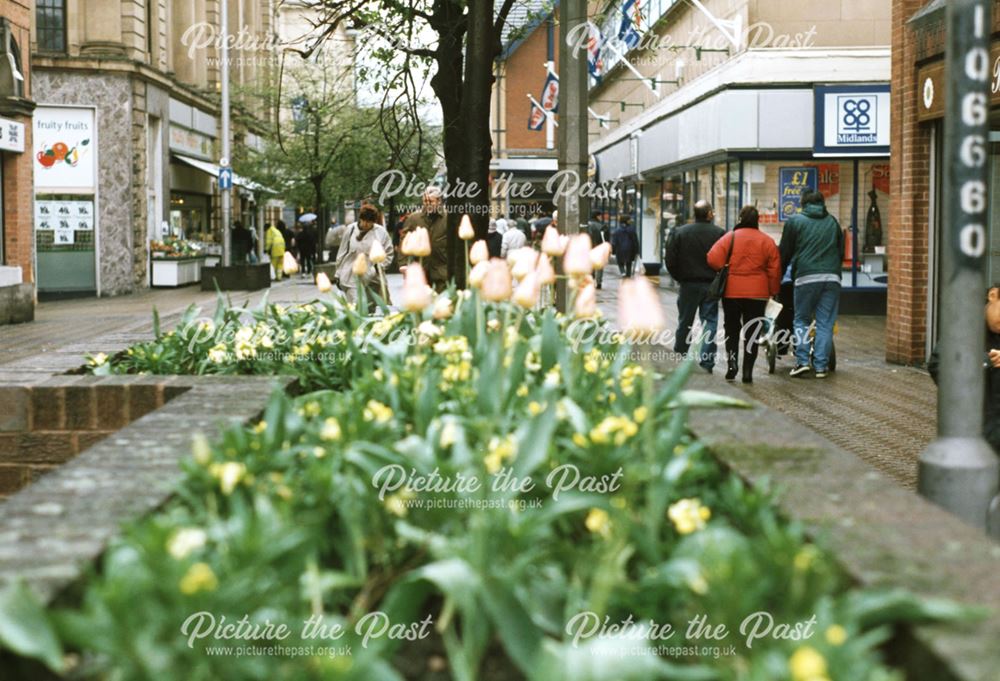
(857, 120)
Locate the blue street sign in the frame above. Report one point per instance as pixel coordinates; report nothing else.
(225, 178)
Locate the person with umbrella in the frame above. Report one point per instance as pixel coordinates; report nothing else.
(305, 242)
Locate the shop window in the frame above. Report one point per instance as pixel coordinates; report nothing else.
(50, 25)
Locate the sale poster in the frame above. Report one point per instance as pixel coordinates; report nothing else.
(793, 182)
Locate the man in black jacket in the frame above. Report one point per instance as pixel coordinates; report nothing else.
(687, 251)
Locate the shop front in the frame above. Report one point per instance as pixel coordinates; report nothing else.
(66, 200)
(799, 140)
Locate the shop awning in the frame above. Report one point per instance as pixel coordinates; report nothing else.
(213, 170)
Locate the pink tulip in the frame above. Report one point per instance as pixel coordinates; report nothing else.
(360, 267)
(552, 244)
(546, 273)
(586, 302)
(377, 253)
(524, 261)
(478, 273)
(577, 261)
(323, 283)
(417, 295)
(526, 294)
(479, 252)
(496, 283)
(419, 243)
(599, 255)
(639, 309)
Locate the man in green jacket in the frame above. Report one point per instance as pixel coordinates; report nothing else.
(434, 218)
(814, 243)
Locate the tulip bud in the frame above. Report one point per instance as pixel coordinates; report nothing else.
(420, 242)
(639, 309)
(586, 302)
(417, 295)
(377, 253)
(551, 243)
(477, 273)
(465, 230)
(525, 260)
(496, 284)
(289, 264)
(599, 255)
(526, 294)
(360, 267)
(577, 261)
(323, 283)
(546, 274)
(479, 252)
(404, 245)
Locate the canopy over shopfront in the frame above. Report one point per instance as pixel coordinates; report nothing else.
(213, 170)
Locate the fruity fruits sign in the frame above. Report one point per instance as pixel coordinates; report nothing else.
(60, 152)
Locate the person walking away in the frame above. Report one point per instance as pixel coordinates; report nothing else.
(814, 242)
(306, 241)
(434, 218)
(687, 262)
(274, 248)
(502, 224)
(289, 236)
(358, 239)
(241, 241)
(494, 240)
(597, 237)
(991, 365)
(625, 244)
(333, 238)
(511, 241)
(754, 276)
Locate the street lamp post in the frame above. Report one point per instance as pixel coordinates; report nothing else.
(959, 470)
(573, 142)
(227, 195)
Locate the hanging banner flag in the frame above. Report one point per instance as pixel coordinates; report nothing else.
(628, 32)
(550, 93)
(536, 119)
(594, 44)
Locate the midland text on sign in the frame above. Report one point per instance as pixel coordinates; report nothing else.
(852, 120)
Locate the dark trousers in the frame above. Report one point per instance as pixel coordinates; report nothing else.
(692, 300)
(743, 317)
(626, 267)
(308, 261)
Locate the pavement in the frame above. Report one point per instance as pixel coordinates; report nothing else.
(884, 414)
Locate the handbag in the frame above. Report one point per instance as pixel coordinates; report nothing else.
(717, 288)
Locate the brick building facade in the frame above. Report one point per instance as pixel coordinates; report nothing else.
(918, 102)
(17, 272)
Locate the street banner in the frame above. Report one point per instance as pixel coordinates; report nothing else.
(536, 119)
(550, 93)
(793, 182)
(594, 44)
(628, 32)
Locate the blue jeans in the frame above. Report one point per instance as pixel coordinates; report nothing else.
(692, 301)
(821, 300)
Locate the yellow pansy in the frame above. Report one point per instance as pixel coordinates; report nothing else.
(599, 522)
(200, 449)
(199, 577)
(688, 515)
(808, 664)
(229, 475)
(331, 430)
(640, 414)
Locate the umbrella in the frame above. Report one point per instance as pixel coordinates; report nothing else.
(307, 217)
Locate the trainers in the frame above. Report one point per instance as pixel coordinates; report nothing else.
(822, 374)
(798, 371)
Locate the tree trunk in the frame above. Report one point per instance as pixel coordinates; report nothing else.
(476, 96)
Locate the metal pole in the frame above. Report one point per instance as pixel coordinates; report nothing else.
(959, 470)
(227, 192)
(573, 142)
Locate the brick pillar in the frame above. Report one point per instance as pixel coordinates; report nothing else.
(18, 198)
(908, 243)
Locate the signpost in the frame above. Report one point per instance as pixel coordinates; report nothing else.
(225, 178)
(959, 470)
(227, 191)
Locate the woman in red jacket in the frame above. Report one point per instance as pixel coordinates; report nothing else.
(754, 276)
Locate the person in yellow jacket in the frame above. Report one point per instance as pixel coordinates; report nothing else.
(274, 246)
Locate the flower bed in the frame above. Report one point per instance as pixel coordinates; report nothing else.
(489, 490)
